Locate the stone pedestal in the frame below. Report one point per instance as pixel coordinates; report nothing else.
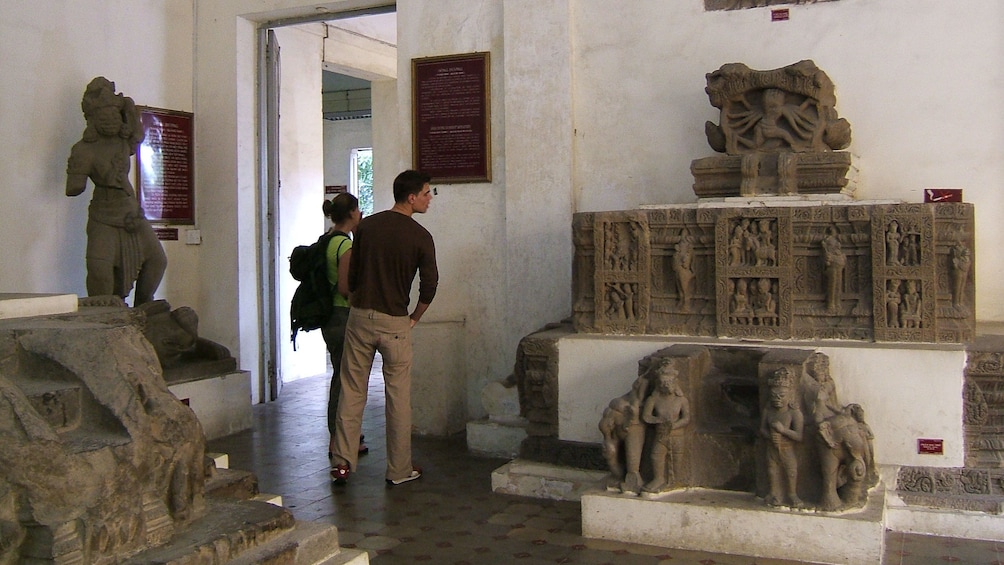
(737, 523)
(222, 403)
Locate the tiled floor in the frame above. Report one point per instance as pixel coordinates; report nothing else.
(451, 516)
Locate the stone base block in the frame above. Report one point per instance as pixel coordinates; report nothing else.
(737, 523)
(222, 403)
(495, 439)
(945, 522)
(539, 480)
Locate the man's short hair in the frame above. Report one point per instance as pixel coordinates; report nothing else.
(409, 182)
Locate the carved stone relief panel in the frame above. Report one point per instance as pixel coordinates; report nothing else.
(903, 268)
(956, 289)
(623, 271)
(753, 259)
(683, 255)
(536, 373)
(711, 5)
(983, 404)
(583, 271)
(867, 272)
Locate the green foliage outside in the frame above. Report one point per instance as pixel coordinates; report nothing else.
(364, 174)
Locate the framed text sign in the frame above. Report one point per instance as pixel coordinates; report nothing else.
(451, 117)
(164, 166)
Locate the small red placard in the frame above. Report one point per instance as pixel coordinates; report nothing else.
(931, 446)
(781, 15)
(942, 195)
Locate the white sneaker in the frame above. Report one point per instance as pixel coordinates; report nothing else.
(416, 473)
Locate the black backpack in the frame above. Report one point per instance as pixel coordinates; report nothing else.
(313, 301)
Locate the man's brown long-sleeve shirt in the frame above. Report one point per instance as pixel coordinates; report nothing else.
(387, 250)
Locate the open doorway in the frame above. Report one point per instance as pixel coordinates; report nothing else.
(314, 156)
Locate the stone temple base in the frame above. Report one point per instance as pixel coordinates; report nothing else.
(738, 523)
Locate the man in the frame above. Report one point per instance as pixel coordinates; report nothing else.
(388, 250)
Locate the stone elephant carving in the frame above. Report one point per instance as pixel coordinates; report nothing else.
(846, 459)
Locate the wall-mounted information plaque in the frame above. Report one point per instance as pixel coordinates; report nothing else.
(164, 166)
(451, 117)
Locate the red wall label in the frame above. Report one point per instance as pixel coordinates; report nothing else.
(931, 446)
(779, 15)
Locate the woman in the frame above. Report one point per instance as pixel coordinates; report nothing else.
(343, 210)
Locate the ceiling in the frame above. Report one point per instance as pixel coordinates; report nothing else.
(380, 27)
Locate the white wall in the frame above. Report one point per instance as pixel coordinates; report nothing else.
(51, 50)
(340, 138)
(919, 80)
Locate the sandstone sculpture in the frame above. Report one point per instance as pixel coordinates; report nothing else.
(736, 418)
(781, 424)
(779, 131)
(122, 248)
(99, 459)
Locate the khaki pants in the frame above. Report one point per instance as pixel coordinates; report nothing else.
(367, 332)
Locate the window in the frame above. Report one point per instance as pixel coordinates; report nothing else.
(362, 178)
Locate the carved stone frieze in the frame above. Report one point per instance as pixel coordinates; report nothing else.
(865, 272)
(536, 373)
(978, 490)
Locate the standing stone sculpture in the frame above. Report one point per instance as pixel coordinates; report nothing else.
(782, 425)
(624, 437)
(834, 261)
(122, 248)
(779, 131)
(645, 423)
(668, 410)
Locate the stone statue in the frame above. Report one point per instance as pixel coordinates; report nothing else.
(834, 261)
(122, 248)
(668, 410)
(624, 437)
(962, 260)
(782, 424)
(682, 270)
(892, 244)
(910, 308)
(892, 301)
(846, 458)
(779, 130)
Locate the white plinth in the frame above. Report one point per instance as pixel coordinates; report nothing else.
(737, 523)
(22, 305)
(221, 403)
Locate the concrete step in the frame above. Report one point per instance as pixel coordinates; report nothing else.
(308, 543)
(228, 530)
(232, 483)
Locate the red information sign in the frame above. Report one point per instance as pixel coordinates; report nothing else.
(451, 140)
(164, 166)
(931, 446)
(780, 15)
(942, 195)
